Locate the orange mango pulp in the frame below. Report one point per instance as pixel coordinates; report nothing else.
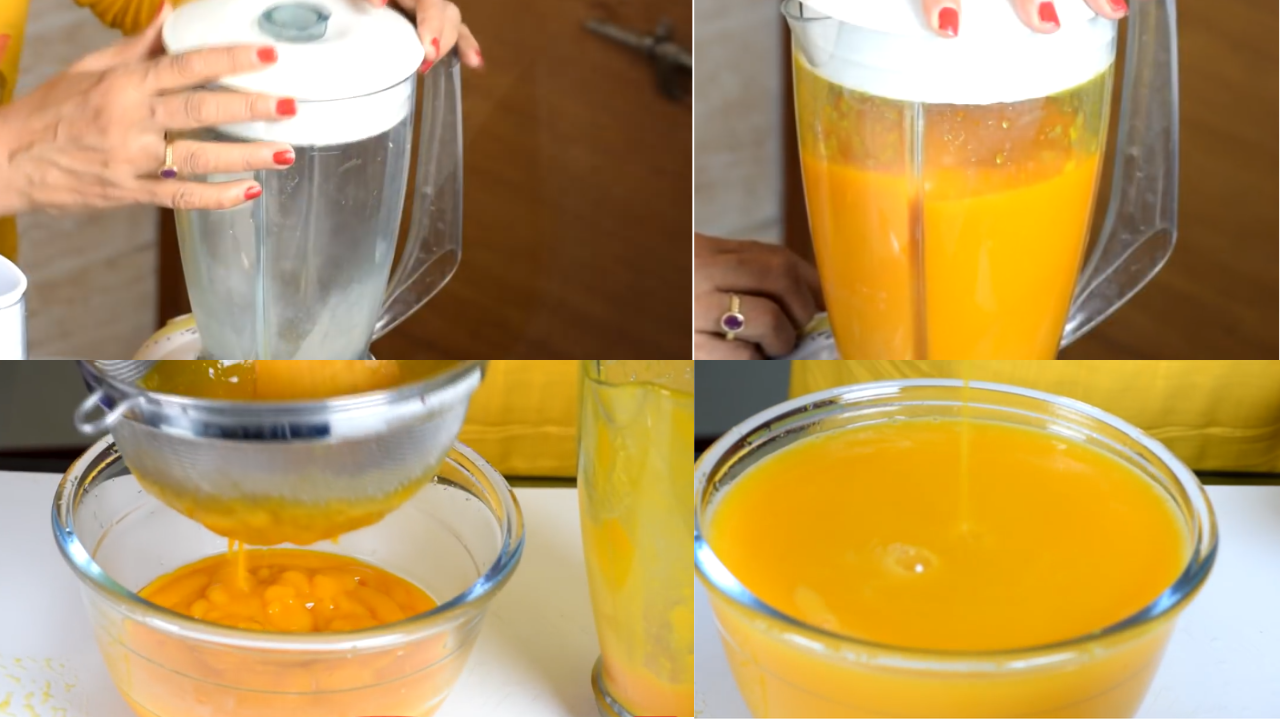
(287, 591)
(999, 263)
(948, 231)
(874, 533)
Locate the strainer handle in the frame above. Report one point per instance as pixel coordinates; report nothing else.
(89, 426)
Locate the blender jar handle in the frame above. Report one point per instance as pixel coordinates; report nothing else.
(433, 247)
(1140, 229)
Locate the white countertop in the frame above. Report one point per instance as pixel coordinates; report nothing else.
(1223, 660)
(533, 658)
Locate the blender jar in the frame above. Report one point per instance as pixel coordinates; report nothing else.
(303, 272)
(950, 183)
(635, 460)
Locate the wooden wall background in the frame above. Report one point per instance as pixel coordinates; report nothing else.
(1218, 296)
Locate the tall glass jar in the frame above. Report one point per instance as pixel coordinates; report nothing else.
(634, 471)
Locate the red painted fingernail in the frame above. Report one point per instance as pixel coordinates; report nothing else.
(283, 157)
(426, 65)
(1048, 14)
(267, 55)
(949, 21)
(435, 45)
(253, 192)
(1119, 6)
(479, 57)
(286, 107)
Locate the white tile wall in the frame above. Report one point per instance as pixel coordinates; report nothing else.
(93, 276)
(738, 180)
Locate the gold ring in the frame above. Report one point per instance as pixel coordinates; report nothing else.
(168, 172)
(732, 322)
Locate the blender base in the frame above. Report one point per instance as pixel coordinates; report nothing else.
(605, 703)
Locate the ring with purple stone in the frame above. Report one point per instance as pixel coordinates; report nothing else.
(732, 322)
(168, 172)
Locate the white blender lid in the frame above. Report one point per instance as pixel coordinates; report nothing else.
(344, 61)
(888, 48)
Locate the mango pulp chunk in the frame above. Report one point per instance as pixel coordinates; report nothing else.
(287, 590)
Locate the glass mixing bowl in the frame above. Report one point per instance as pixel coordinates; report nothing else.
(459, 538)
(787, 668)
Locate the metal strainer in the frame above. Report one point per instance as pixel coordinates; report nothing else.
(338, 452)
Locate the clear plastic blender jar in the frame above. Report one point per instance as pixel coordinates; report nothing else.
(306, 270)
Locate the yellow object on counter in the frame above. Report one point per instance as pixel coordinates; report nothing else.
(1215, 415)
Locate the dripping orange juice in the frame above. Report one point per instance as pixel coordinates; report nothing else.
(962, 239)
(880, 534)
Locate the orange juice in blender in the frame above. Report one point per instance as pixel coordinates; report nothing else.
(950, 182)
(947, 560)
(634, 466)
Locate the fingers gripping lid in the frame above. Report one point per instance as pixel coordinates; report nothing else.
(888, 48)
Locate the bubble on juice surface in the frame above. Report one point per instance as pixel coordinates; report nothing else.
(909, 560)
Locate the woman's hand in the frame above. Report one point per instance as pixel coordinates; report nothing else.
(1039, 15)
(440, 26)
(778, 295)
(94, 136)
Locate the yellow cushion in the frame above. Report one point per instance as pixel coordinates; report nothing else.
(1215, 415)
(524, 418)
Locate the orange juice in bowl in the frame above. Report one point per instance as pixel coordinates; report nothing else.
(919, 548)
